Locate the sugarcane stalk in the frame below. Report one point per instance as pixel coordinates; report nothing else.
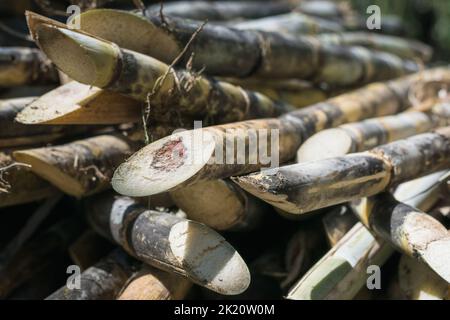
(391, 25)
(221, 10)
(312, 185)
(76, 103)
(410, 230)
(88, 249)
(367, 134)
(153, 284)
(145, 78)
(293, 23)
(419, 282)
(102, 281)
(14, 134)
(19, 185)
(216, 49)
(81, 167)
(294, 92)
(21, 66)
(227, 207)
(14, 8)
(341, 272)
(171, 243)
(404, 48)
(337, 222)
(192, 156)
(38, 254)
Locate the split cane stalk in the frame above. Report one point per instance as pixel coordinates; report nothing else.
(171, 243)
(210, 153)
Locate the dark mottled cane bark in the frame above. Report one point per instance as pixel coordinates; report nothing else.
(410, 230)
(225, 51)
(37, 254)
(13, 133)
(293, 23)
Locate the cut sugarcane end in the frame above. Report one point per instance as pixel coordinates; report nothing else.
(83, 58)
(437, 257)
(325, 144)
(164, 164)
(209, 258)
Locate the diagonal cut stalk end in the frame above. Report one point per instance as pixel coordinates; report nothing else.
(83, 58)
(164, 164)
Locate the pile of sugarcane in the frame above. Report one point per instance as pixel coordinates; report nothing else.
(313, 160)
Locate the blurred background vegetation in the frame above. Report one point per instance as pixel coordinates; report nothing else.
(426, 20)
